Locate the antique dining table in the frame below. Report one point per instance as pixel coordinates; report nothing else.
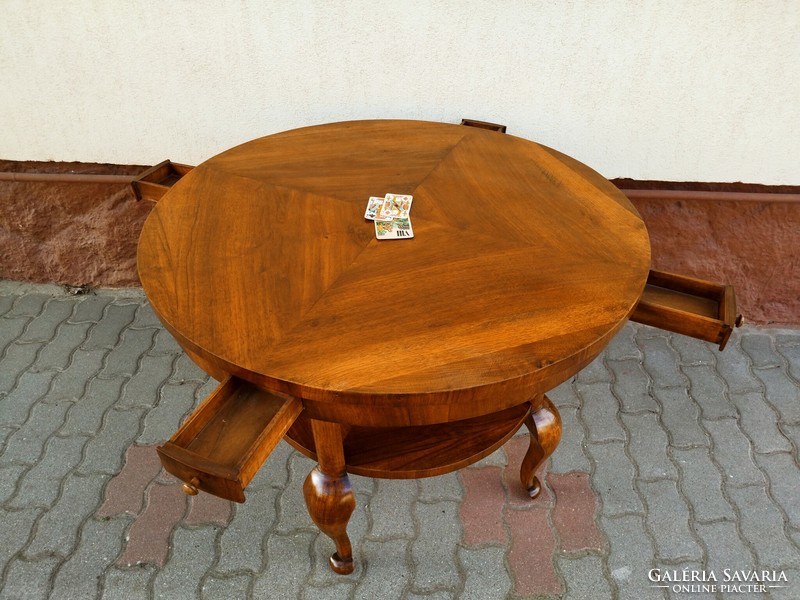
(397, 358)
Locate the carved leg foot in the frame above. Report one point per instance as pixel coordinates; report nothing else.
(329, 498)
(330, 503)
(544, 425)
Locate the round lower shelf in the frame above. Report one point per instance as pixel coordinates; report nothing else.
(418, 451)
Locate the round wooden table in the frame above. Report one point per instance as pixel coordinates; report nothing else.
(409, 357)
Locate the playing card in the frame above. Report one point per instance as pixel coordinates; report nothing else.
(373, 208)
(393, 230)
(395, 206)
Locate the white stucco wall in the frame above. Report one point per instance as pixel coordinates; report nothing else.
(675, 89)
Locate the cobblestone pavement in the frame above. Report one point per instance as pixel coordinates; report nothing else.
(674, 457)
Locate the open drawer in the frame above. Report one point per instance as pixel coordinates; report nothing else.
(693, 307)
(155, 181)
(224, 442)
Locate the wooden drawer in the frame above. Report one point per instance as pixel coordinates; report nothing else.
(693, 307)
(154, 183)
(224, 442)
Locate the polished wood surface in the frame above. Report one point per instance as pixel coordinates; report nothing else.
(524, 265)
(223, 443)
(690, 306)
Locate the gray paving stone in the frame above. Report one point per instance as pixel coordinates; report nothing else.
(183, 369)
(733, 452)
(161, 422)
(391, 509)
(15, 529)
(486, 573)
(106, 333)
(145, 317)
(104, 453)
(128, 584)
(613, 478)
(594, 372)
(623, 345)
(679, 590)
(292, 513)
(570, 455)
(434, 596)
(584, 577)
(782, 393)
(661, 363)
(786, 590)
(433, 551)
(29, 580)
(240, 545)
(784, 482)
(334, 591)
(733, 366)
(701, 484)
(90, 309)
(26, 444)
(192, 554)
(28, 305)
(165, 345)
(648, 446)
(41, 484)
(725, 549)
(762, 525)
(386, 570)
(692, 351)
(708, 391)
(758, 421)
(43, 327)
(85, 417)
(9, 477)
(79, 576)
(679, 416)
(667, 519)
(363, 487)
(631, 556)
(124, 359)
(275, 472)
(11, 329)
(72, 382)
(632, 386)
(143, 389)
(7, 301)
(57, 530)
(440, 488)
(58, 352)
(759, 348)
(15, 364)
(790, 351)
(565, 395)
(288, 565)
(599, 413)
(226, 588)
(16, 407)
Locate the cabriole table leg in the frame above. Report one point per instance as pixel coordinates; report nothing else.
(329, 498)
(544, 425)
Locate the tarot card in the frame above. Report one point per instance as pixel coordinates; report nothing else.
(373, 208)
(396, 206)
(394, 230)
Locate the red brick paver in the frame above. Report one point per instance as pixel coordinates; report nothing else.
(142, 478)
(498, 510)
(574, 512)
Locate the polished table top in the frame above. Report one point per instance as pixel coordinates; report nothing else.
(525, 263)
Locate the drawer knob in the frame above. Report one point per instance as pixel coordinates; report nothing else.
(191, 487)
